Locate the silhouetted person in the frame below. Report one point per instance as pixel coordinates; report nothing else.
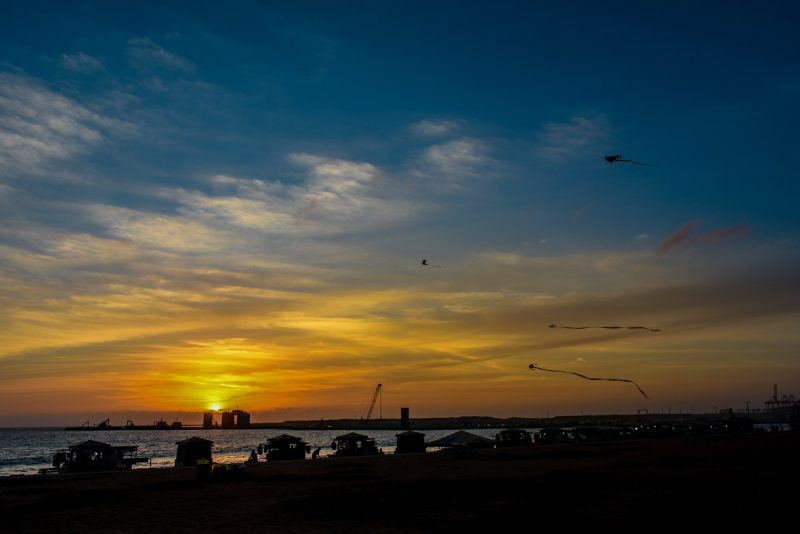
(315, 454)
(253, 456)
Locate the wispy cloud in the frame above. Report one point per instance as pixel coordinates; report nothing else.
(454, 164)
(677, 238)
(560, 140)
(682, 239)
(81, 62)
(434, 128)
(189, 330)
(157, 231)
(337, 176)
(147, 53)
(39, 126)
(333, 196)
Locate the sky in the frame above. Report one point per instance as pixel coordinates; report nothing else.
(228, 203)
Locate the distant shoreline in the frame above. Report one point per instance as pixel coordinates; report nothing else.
(473, 422)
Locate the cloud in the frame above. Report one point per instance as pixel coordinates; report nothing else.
(681, 238)
(173, 329)
(336, 196)
(337, 176)
(560, 140)
(39, 127)
(159, 232)
(433, 128)
(504, 321)
(454, 164)
(81, 62)
(147, 53)
(338, 190)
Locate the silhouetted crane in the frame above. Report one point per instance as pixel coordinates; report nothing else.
(372, 403)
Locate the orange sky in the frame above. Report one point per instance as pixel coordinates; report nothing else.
(231, 204)
(286, 342)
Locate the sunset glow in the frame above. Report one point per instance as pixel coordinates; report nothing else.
(208, 211)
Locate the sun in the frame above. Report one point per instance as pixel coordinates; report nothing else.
(215, 407)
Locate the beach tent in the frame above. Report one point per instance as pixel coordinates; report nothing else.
(94, 455)
(462, 439)
(354, 444)
(410, 441)
(285, 447)
(513, 437)
(192, 450)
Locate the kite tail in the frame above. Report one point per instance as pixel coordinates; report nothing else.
(641, 390)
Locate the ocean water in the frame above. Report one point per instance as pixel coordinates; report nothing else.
(23, 451)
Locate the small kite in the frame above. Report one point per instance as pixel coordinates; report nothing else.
(426, 264)
(606, 327)
(534, 367)
(617, 158)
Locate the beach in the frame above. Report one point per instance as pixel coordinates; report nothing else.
(647, 484)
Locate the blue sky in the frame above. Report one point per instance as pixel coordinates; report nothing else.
(179, 177)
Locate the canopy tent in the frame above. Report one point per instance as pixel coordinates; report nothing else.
(285, 447)
(462, 438)
(284, 438)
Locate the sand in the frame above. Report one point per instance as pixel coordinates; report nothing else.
(644, 485)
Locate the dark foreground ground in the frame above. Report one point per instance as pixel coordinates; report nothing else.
(654, 485)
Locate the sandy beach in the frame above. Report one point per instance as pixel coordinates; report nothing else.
(652, 484)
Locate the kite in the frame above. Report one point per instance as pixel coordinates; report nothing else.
(606, 327)
(425, 263)
(534, 367)
(617, 158)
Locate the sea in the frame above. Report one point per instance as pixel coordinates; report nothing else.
(23, 451)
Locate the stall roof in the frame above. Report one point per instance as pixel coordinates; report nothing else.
(284, 437)
(90, 445)
(408, 433)
(462, 437)
(193, 439)
(352, 435)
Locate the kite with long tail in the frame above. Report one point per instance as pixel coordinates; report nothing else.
(534, 367)
(617, 158)
(426, 264)
(607, 327)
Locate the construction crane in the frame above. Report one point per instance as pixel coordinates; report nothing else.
(372, 403)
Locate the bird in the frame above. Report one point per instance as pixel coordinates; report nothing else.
(426, 264)
(617, 158)
(534, 367)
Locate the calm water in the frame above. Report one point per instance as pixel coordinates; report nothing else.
(23, 451)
